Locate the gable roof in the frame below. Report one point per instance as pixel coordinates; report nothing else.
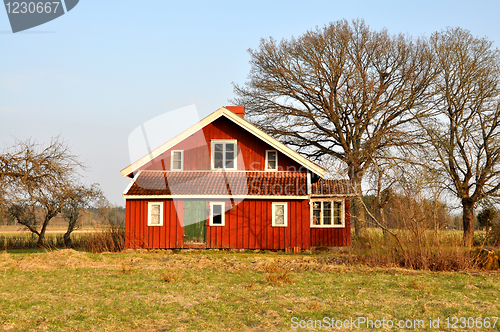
(313, 167)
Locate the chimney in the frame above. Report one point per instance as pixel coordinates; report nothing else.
(238, 110)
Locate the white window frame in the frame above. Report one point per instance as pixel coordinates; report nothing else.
(285, 209)
(331, 200)
(223, 215)
(224, 141)
(172, 161)
(150, 204)
(271, 169)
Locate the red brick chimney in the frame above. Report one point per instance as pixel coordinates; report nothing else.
(238, 110)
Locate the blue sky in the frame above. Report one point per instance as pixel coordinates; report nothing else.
(106, 67)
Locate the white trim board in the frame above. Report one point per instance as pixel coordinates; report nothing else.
(131, 183)
(209, 197)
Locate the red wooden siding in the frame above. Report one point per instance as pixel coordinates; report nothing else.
(248, 226)
(197, 150)
(333, 236)
(139, 235)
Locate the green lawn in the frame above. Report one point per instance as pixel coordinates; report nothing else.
(213, 290)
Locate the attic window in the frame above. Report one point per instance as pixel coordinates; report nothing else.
(271, 160)
(177, 160)
(224, 154)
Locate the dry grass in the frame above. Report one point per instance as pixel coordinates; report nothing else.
(428, 250)
(67, 290)
(25, 240)
(277, 275)
(106, 239)
(127, 267)
(109, 239)
(169, 276)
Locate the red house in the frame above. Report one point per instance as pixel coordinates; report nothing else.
(224, 183)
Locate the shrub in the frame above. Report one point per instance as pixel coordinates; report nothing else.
(427, 250)
(493, 236)
(109, 239)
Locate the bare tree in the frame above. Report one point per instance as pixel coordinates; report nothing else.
(381, 178)
(109, 214)
(31, 162)
(343, 90)
(78, 199)
(24, 211)
(36, 178)
(464, 135)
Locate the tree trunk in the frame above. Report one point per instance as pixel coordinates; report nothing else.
(357, 208)
(41, 236)
(67, 240)
(468, 221)
(382, 217)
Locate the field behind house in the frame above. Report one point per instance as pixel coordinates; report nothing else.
(69, 290)
(51, 229)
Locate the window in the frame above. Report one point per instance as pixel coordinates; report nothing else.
(271, 160)
(155, 213)
(217, 214)
(327, 213)
(177, 160)
(224, 154)
(280, 215)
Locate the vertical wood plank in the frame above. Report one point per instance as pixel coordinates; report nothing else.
(306, 225)
(127, 223)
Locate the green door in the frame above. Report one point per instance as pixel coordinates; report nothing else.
(195, 219)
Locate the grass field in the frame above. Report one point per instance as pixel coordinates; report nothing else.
(68, 290)
(17, 229)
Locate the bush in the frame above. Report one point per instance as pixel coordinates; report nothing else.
(488, 259)
(480, 239)
(428, 250)
(493, 236)
(109, 239)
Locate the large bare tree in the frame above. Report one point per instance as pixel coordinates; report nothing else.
(464, 134)
(343, 90)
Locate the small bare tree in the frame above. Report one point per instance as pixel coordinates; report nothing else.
(79, 199)
(36, 178)
(109, 214)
